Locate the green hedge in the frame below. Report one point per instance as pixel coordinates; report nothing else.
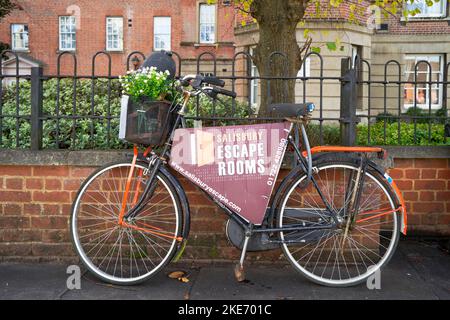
(83, 137)
(222, 108)
(99, 139)
(406, 134)
(331, 134)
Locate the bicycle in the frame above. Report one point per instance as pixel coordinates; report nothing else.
(337, 215)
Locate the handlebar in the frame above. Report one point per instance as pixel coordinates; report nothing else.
(212, 85)
(215, 91)
(214, 81)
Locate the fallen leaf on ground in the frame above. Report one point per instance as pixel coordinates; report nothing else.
(176, 274)
(183, 279)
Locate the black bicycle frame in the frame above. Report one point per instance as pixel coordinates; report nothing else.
(156, 161)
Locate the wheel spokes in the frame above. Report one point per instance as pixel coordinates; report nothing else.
(329, 256)
(135, 248)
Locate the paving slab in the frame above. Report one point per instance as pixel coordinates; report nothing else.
(159, 287)
(31, 281)
(418, 270)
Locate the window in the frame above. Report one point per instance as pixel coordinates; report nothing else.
(307, 70)
(207, 23)
(114, 33)
(162, 33)
(437, 9)
(19, 37)
(67, 30)
(253, 83)
(356, 55)
(423, 95)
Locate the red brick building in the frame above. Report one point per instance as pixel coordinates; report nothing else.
(377, 39)
(189, 27)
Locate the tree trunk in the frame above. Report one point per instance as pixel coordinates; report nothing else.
(277, 22)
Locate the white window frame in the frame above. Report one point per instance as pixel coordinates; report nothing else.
(161, 22)
(422, 14)
(114, 32)
(254, 84)
(307, 64)
(25, 35)
(202, 21)
(420, 57)
(355, 54)
(72, 32)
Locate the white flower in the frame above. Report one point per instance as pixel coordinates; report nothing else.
(141, 91)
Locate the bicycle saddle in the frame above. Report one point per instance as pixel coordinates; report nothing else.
(291, 109)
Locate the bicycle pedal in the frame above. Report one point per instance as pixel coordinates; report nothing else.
(239, 273)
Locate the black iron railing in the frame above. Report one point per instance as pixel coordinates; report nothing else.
(82, 111)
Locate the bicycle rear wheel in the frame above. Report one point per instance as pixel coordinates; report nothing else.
(132, 252)
(334, 257)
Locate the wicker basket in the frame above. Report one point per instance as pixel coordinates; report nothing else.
(145, 121)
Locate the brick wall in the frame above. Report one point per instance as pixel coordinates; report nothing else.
(418, 26)
(426, 188)
(362, 15)
(35, 203)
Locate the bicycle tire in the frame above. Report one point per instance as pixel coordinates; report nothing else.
(147, 238)
(352, 164)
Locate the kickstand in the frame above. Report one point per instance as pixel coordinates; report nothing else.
(239, 271)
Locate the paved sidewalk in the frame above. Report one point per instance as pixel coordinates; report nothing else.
(419, 270)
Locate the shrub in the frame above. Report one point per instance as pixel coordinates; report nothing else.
(87, 133)
(414, 114)
(406, 134)
(90, 134)
(442, 115)
(386, 116)
(223, 108)
(331, 134)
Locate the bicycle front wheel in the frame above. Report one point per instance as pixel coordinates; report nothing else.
(127, 253)
(349, 252)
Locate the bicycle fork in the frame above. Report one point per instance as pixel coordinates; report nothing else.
(147, 191)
